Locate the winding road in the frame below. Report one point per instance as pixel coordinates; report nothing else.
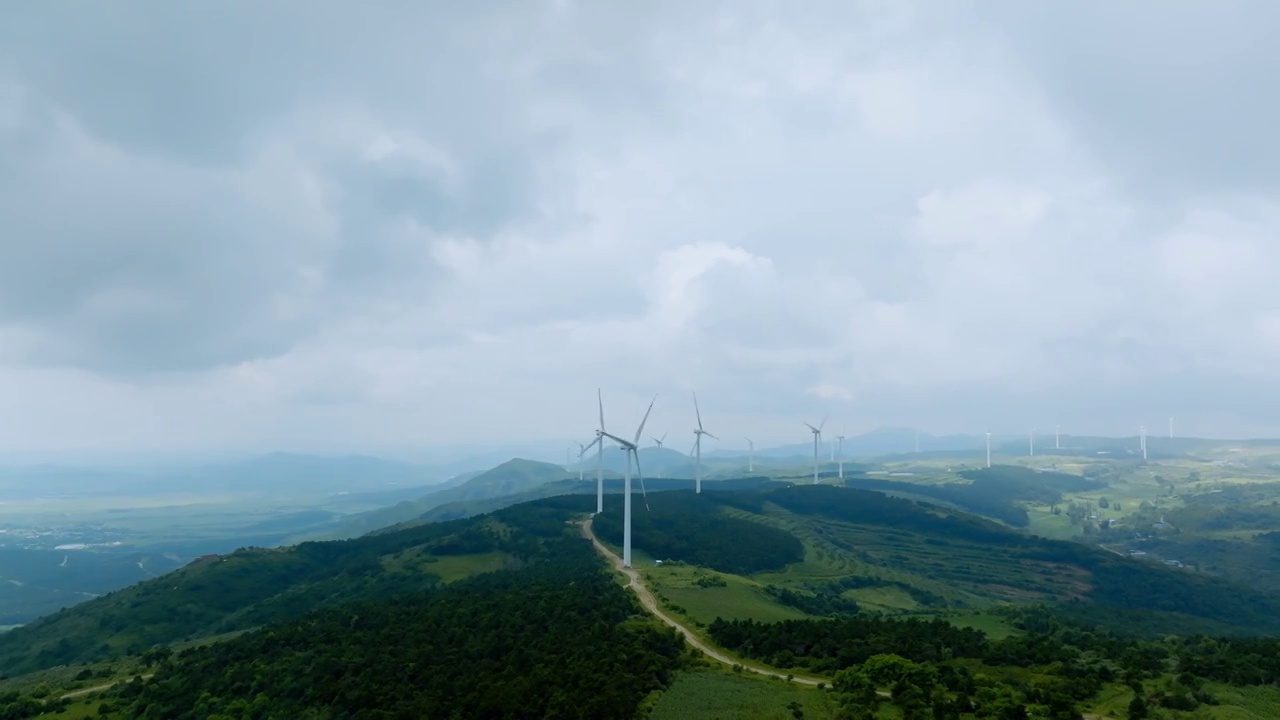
(650, 603)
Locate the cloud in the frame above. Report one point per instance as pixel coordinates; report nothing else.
(300, 226)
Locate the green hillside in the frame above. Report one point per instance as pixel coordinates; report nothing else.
(556, 638)
(867, 588)
(255, 586)
(864, 550)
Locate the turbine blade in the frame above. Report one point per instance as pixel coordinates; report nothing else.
(640, 474)
(810, 427)
(600, 401)
(664, 437)
(625, 443)
(697, 411)
(713, 437)
(592, 444)
(644, 420)
(824, 422)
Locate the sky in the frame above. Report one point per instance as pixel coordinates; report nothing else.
(321, 226)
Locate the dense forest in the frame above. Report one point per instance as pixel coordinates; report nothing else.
(929, 664)
(557, 639)
(693, 528)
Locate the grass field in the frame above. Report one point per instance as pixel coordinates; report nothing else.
(720, 694)
(450, 568)
(739, 599)
(995, 626)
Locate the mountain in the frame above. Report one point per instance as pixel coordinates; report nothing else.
(774, 549)
(512, 477)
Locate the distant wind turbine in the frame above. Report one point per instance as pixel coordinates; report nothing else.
(1170, 427)
(840, 452)
(751, 455)
(697, 447)
(817, 438)
(1031, 440)
(1142, 440)
(662, 471)
(599, 443)
(582, 450)
(632, 449)
(1057, 437)
(988, 450)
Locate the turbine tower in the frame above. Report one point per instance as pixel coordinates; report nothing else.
(988, 450)
(751, 455)
(1057, 437)
(1031, 446)
(631, 448)
(840, 452)
(599, 443)
(817, 438)
(1170, 427)
(697, 447)
(1142, 440)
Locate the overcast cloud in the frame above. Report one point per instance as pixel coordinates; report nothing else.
(317, 225)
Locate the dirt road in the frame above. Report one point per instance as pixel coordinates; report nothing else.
(651, 604)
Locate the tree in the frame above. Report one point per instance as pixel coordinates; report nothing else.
(1138, 708)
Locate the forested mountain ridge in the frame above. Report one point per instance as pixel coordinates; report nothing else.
(255, 586)
(944, 559)
(557, 638)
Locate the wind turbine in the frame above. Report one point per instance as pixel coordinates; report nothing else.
(988, 450)
(582, 450)
(817, 438)
(840, 452)
(697, 447)
(1170, 427)
(1057, 437)
(599, 443)
(751, 455)
(658, 442)
(1031, 440)
(631, 448)
(1142, 440)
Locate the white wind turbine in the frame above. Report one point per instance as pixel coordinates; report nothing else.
(658, 442)
(751, 455)
(697, 447)
(988, 450)
(840, 452)
(582, 450)
(817, 438)
(631, 448)
(599, 443)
